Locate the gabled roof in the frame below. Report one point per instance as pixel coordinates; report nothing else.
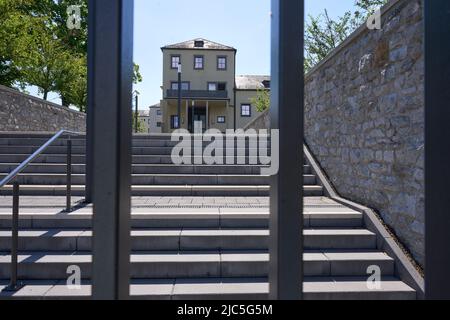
(207, 45)
(252, 82)
(143, 113)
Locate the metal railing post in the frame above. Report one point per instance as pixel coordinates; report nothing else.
(69, 176)
(14, 285)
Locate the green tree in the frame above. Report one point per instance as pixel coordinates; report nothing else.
(140, 124)
(262, 100)
(37, 48)
(323, 34)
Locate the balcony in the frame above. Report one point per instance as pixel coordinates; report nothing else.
(197, 94)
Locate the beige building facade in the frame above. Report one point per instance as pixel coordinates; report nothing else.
(211, 92)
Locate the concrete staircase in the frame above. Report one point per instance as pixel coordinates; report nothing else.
(200, 243)
(153, 171)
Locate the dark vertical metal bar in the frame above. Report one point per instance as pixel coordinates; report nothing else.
(69, 176)
(89, 193)
(286, 192)
(437, 153)
(112, 98)
(13, 285)
(193, 117)
(15, 235)
(136, 115)
(179, 98)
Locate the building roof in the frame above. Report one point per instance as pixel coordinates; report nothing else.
(252, 82)
(143, 113)
(158, 105)
(199, 44)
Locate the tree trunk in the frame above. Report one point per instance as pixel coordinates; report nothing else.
(64, 101)
(45, 94)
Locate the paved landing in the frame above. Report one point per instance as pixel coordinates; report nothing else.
(38, 203)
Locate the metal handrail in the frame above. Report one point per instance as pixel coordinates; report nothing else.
(36, 154)
(14, 285)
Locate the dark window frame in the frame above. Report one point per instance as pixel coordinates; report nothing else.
(171, 61)
(226, 63)
(249, 110)
(221, 117)
(172, 122)
(209, 83)
(217, 83)
(195, 62)
(182, 83)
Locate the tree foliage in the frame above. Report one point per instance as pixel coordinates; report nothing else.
(37, 48)
(323, 34)
(262, 100)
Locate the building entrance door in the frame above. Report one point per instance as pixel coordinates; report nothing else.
(197, 114)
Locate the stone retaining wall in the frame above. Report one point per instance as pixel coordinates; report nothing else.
(365, 120)
(22, 112)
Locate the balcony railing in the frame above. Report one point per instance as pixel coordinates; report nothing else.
(197, 94)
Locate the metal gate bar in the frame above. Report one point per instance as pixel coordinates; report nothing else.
(110, 96)
(286, 190)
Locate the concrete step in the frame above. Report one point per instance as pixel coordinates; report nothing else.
(54, 149)
(48, 135)
(37, 142)
(159, 179)
(54, 168)
(167, 190)
(137, 159)
(33, 217)
(211, 264)
(321, 288)
(188, 239)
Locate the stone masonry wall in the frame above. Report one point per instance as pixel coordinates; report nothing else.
(365, 120)
(22, 112)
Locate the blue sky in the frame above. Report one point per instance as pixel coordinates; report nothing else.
(162, 22)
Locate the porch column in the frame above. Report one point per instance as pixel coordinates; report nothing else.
(186, 117)
(207, 115)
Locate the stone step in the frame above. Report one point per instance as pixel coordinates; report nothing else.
(52, 168)
(33, 217)
(159, 179)
(211, 264)
(321, 288)
(167, 190)
(188, 239)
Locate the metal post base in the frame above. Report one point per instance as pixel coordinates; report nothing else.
(13, 287)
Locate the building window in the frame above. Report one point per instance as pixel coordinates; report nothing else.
(220, 119)
(212, 86)
(175, 61)
(198, 62)
(159, 124)
(158, 112)
(185, 86)
(217, 86)
(199, 44)
(221, 63)
(246, 110)
(174, 123)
